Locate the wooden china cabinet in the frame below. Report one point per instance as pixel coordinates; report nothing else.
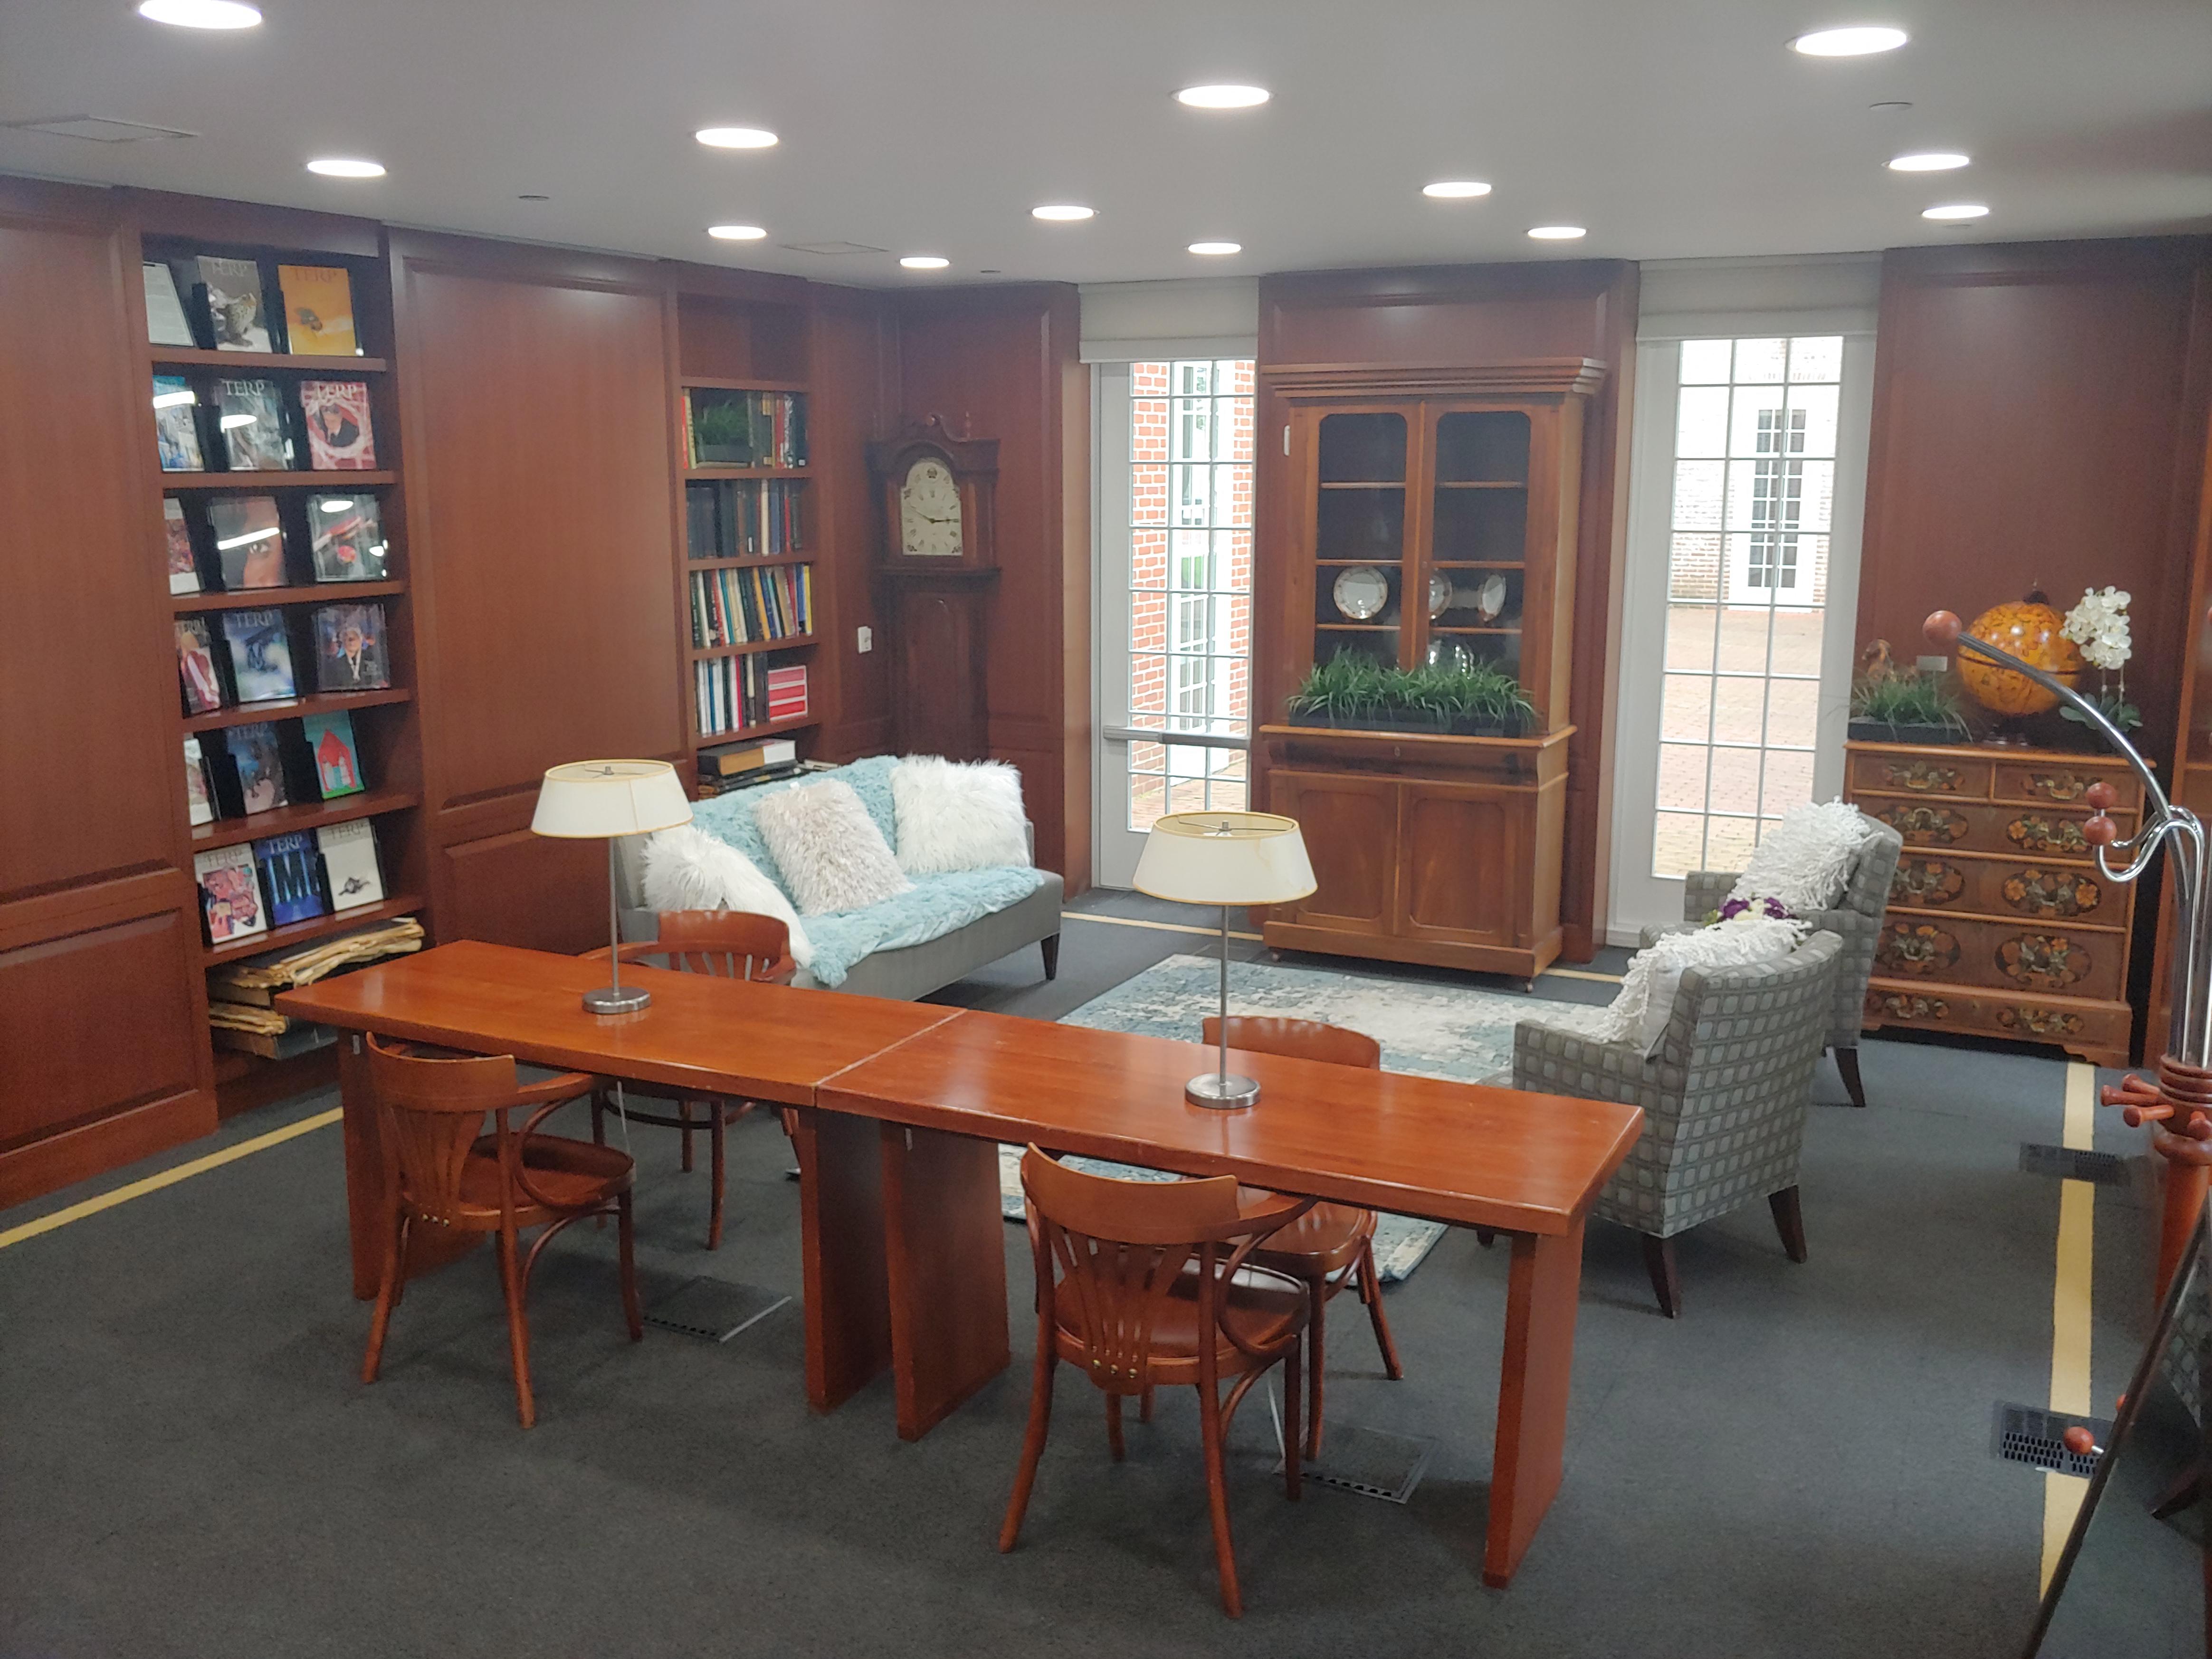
(1424, 516)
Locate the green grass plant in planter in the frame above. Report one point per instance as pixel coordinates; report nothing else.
(1352, 692)
(1907, 706)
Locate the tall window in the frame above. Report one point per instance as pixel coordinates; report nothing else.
(1755, 475)
(1190, 582)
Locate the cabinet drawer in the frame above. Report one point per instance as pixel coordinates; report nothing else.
(1963, 774)
(2065, 783)
(2041, 832)
(2039, 891)
(1947, 1008)
(1957, 950)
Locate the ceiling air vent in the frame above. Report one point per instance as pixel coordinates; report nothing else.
(833, 249)
(98, 128)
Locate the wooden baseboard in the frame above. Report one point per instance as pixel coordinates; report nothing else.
(91, 1149)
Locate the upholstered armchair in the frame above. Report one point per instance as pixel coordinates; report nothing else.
(1724, 1098)
(1856, 920)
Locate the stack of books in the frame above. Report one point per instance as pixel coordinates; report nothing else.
(736, 692)
(745, 428)
(742, 765)
(736, 607)
(743, 518)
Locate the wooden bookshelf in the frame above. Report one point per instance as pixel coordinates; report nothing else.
(283, 820)
(256, 598)
(386, 722)
(746, 338)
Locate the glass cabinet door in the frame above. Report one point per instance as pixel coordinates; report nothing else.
(1359, 536)
(1477, 568)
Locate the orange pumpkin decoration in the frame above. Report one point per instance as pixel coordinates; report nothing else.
(2029, 630)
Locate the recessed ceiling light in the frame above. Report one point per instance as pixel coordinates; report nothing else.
(1557, 232)
(1930, 161)
(1957, 211)
(339, 167)
(924, 262)
(736, 137)
(1855, 41)
(200, 13)
(1453, 190)
(1066, 211)
(736, 233)
(1216, 249)
(1223, 97)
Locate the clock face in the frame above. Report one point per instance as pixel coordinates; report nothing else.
(929, 510)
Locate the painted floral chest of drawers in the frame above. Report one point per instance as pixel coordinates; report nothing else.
(1999, 923)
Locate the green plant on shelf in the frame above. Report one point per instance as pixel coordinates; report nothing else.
(1351, 688)
(1906, 697)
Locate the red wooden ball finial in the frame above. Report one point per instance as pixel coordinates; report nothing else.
(2101, 796)
(1942, 628)
(2078, 1441)
(2099, 831)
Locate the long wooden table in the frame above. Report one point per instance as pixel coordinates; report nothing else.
(904, 1105)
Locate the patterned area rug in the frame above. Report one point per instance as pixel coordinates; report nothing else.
(1433, 1031)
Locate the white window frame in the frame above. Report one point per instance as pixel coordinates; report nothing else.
(1636, 898)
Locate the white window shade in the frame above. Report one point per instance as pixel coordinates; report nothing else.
(1203, 317)
(1707, 299)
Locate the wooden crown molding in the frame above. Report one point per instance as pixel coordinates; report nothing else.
(1543, 376)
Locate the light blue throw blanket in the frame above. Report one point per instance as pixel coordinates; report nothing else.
(933, 907)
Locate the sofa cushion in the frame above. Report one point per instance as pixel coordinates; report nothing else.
(688, 869)
(957, 817)
(832, 855)
(931, 908)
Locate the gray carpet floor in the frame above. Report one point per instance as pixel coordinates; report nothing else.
(1799, 1467)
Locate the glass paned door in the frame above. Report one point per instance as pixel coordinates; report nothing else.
(1176, 604)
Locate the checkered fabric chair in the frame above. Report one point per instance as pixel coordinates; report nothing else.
(1724, 1099)
(1857, 920)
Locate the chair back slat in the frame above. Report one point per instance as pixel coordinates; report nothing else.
(1299, 1039)
(733, 943)
(433, 1108)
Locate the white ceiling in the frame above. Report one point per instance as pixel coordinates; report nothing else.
(1672, 130)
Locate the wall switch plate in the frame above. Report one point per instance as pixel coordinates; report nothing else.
(1925, 664)
(864, 640)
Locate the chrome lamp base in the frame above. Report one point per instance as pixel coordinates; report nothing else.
(616, 1000)
(1220, 1092)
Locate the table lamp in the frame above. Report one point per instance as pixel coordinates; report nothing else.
(598, 801)
(1226, 859)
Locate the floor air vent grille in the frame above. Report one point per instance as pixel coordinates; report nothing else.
(2070, 1163)
(2031, 1435)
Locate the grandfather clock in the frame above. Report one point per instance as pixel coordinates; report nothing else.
(939, 564)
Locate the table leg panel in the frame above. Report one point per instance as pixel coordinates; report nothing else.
(840, 1209)
(1532, 1394)
(944, 1241)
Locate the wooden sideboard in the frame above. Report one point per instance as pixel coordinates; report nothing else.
(1999, 924)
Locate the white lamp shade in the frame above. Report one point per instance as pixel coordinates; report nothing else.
(1225, 858)
(593, 801)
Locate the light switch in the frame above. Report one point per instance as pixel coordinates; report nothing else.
(864, 640)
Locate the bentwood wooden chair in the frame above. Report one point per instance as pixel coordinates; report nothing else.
(441, 1170)
(1331, 1245)
(1143, 1283)
(733, 945)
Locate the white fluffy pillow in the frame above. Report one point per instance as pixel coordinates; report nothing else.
(687, 869)
(956, 816)
(1804, 861)
(829, 848)
(1639, 1014)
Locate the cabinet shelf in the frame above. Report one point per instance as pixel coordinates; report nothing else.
(260, 483)
(1481, 484)
(767, 729)
(701, 473)
(794, 642)
(1374, 483)
(1439, 627)
(1479, 564)
(287, 709)
(192, 357)
(231, 832)
(1354, 564)
(751, 560)
(299, 932)
(713, 383)
(253, 598)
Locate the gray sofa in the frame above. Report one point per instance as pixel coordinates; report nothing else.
(905, 974)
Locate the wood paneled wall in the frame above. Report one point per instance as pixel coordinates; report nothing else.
(855, 371)
(2038, 419)
(101, 1008)
(1461, 314)
(1003, 362)
(536, 416)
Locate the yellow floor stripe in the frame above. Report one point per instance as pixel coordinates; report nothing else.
(1580, 973)
(153, 1183)
(2069, 1310)
(1157, 926)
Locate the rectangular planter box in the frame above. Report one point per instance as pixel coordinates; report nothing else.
(1455, 728)
(1884, 732)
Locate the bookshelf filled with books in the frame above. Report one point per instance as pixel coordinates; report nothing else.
(275, 438)
(750, 523)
